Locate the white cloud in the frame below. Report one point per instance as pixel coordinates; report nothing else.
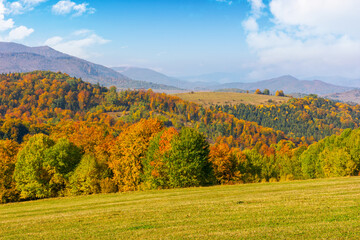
(251, 25)
(66, 6)
(19, 33)
(4, 24)
(76, 46)
(10, 32)
(81, 32)
(331, 16)
(21, 6)
(63, 7)
(256, 7)
(53, 41)
(308, 37)
(225, 1)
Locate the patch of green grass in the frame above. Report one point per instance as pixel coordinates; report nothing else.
(314, 209)
(222, 98)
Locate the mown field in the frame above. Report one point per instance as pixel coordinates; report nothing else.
(222, 98)
(314, 209)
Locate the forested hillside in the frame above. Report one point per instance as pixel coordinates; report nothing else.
(311, 116)
(62, 136)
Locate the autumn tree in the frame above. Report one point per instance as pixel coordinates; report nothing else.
(43, 167)
(129, 149)
(8, 152)
(279, 93)
(155, 167)
(225, 163)
(188, 160)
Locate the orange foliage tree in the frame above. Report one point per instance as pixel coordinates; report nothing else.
(8, 152)
(129, 149)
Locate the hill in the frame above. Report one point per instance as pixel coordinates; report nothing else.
(208, 99)
(19, 58)
(352, 96)
(59, 138)
(310, 116)
(148, 75)
(314, 209)
(231, 90)
(289, 84)
(345, 81)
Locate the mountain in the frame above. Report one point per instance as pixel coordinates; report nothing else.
(212, 80)
(215, 78)
(352, 96)
(148, 75)
(19, 58)
(344, 81)
(290, 84)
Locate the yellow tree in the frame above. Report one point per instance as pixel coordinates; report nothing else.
(8, 151)
(129, 149)
(225, 163)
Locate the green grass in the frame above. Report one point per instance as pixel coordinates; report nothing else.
(231, 98)
(315, 209)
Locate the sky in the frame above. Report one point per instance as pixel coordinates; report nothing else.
(258, 39)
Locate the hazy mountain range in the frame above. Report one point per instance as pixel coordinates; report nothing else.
(148, 75)
(290, 84)
(287, 83)
(19, 58)
(352, 96)
(338, 80)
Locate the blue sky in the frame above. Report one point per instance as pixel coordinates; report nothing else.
(256, 38)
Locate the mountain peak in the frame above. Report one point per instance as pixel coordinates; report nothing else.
(15, 57)
(288, 76)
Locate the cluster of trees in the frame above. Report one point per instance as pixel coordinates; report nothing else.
(148, 155)
(265, 92)
(97, 140)
(145, 155)
(311, 116)
(279, 93)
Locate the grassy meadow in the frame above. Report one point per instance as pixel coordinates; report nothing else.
(314, 209)
(207, 99)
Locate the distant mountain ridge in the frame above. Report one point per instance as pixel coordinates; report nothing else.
(352, 96)
(212, 81)
(20, 58)
(148, 75)
(290, 84)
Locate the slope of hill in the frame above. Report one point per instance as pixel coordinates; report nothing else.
(148, 75)
(309, 116)
(352, 96)
(19, 58)
(236, 90)
(59, 116)
(315, 209)
(208, 99)
(289, 84)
